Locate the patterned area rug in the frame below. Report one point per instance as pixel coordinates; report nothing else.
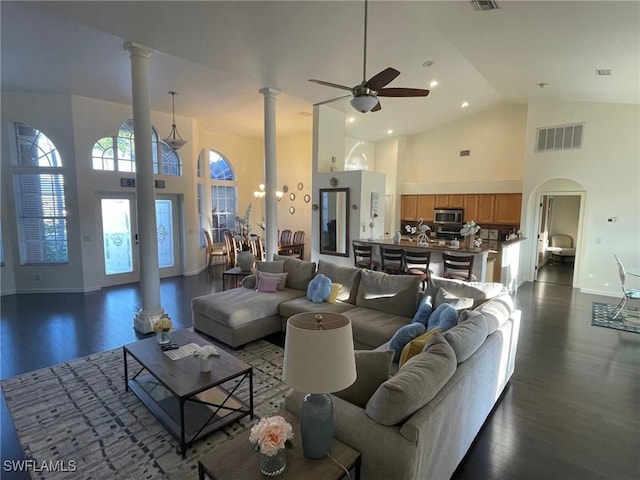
(628, 320)
(78, 413)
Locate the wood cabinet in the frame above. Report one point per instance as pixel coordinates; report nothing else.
(449, 201)
(470, 207)
(409, 207)
(426, 205)
(507, 208)
(486, 205)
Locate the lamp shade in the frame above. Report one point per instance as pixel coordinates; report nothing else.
(364, 103)
(318, 353)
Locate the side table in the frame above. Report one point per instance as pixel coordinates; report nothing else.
(237, 459)
(232, 278)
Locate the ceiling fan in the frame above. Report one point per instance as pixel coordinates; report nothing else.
(365, 94)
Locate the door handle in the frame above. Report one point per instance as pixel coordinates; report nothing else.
(136, 238)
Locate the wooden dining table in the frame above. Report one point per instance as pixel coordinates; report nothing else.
(291, 248)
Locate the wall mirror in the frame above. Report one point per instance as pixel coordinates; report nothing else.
(334, 221)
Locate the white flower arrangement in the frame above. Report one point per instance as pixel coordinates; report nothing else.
(469, 228)
(206, 352)
(271, 434)
(163, 324)
(411, 230)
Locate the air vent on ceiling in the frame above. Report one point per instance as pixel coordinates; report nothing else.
(564, 137)
(484, 5)
(603, 72)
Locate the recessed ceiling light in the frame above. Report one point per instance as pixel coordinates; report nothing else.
(389, 132)
(434, 83)
(542, 84)
(427, 64)
(464, 105)
(603, 72)
(351, 119)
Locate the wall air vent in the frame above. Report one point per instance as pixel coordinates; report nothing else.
(483, 5)
(564, 137)
(604, 72)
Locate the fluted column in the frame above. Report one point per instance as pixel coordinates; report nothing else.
(150, 309)
(270, 171)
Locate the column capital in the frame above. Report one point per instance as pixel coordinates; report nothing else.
(269, 92)
(137, 49)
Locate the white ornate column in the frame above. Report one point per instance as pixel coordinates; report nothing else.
(150, 309)
(270, 172)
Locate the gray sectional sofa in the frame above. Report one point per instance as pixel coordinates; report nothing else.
(416, 421)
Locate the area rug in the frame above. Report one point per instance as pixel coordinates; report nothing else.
(628, 320)
(78, 416)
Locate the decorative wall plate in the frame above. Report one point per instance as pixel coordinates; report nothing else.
(300, 186)
(307, 198)
(292, 196)
(292, 210)
(285, 188)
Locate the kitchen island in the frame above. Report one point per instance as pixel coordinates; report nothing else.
(436, 266)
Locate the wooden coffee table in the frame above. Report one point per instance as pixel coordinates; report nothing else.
(189, 403)
(237, 459)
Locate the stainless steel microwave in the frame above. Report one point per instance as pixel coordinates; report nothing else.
(448, 215)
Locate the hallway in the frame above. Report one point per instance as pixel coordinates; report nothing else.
(556, 273)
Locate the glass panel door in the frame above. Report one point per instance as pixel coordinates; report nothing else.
(119, 240)
(168, 228)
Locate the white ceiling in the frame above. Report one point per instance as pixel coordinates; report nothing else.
(217, 55)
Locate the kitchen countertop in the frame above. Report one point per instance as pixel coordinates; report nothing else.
(432, 245)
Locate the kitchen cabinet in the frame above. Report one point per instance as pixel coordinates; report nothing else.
(449, 201)
(471, 207)
(426, 205)
(409, 207)
(507, 208)
(486, 206)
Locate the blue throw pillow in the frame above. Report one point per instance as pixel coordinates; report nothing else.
(319, 288)
(404, 335)
(445, 317)
(424, 310)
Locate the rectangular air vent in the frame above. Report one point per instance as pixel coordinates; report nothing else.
(484, 5)
(565, 137)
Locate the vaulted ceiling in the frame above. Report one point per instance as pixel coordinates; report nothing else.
(217, 55)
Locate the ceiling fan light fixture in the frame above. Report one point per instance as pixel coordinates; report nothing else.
(364, 103)
(174, 140)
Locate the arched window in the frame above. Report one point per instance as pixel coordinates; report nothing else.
(122, 159)
(38, 181)
(224, 196)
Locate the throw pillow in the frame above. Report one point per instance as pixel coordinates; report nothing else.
(319, 288)
(414, 385)
(394, 294)
(346, 275)
(270, 267)
(445, 317)
(424, 310)
(372, 368)
(415, 346)
(250, 281)
(404, 335)
(267, 284)
(282, 278)
(466, 337)
(335, 290)
(300, 272)
(459, 303)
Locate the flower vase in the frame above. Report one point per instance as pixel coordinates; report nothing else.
(468, 241)
(205, 363)
(273, 465)
(397, 237)
(246, 260)
(163, 337)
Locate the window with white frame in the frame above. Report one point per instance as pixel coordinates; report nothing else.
(224, 196)
(117, 154)
(38, 182)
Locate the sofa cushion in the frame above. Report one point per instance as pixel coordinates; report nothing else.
(496, 311)
(271, 267)
(267, 284)
(372, 328)
(478, 291)
(333, 294)
(303, 304)
(396, 294)
(348, 276)
(444, 316)
(281, 277)
(415, 384)
(319, 288)
(416, 346)
(404, 335)
(459, 303)
(372, 368)
(300, 273)
(466, 337)
(425, 307)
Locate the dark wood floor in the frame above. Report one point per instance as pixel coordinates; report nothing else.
(572, 410)
(556, 272)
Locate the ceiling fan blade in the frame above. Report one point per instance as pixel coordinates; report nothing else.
(403, 92)
(332, 100)
(329, 84)
(379, 80)
(377, 107)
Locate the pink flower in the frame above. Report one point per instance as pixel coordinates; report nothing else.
(271, 434)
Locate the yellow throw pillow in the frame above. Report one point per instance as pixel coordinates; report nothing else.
(335, 290)
(416, 345)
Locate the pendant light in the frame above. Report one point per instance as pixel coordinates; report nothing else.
(174, 140)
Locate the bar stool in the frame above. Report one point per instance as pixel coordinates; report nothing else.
(416, 262)
(391, 260)
(458, 267)
(363, 256)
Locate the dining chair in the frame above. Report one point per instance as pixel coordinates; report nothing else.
(286, 237)
(211, 251)
(363, 256)
(629, 293)
(391, 260)
(297, 246)
(459, 267)
(416, 262)
(232, 249)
